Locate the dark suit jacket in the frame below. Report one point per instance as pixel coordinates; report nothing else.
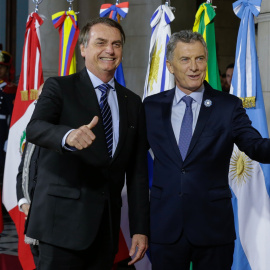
(193, 196)
(74, 187)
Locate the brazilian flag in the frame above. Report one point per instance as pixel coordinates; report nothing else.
(204, 24)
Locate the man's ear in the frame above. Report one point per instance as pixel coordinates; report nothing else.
(82, 50)
(169, 66)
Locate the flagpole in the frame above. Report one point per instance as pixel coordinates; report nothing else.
(37, 2)
(168, 4)
(70, 5)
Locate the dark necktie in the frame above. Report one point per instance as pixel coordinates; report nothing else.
(186, 127)
(106, 116)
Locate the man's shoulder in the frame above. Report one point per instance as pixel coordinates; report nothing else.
(127, 92)
(67, 78)
(159, 96)
(219, 95)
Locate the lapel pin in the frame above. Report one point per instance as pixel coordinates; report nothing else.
(208, 103)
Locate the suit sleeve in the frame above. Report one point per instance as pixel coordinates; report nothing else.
(247, 138)
(19, 176)
(44, 129)
(137, 182)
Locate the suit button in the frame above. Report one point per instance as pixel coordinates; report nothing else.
(183, 171)
(103, 193)
(180, 194)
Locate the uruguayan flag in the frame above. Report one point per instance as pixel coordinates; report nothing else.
(158, 78)
(250, 180)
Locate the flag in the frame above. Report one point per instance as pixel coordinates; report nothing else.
(204, 24)
(158, 77)
(66, 22)
(114, 11)
(1, 217)
(30, 79)
(248, 179)
(123, 252)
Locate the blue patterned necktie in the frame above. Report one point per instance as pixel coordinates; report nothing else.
(186, 127)
(106, 116)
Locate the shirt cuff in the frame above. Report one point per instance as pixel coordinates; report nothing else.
(66, 146)
(21, 202)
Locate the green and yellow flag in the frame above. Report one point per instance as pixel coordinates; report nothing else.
(204, 24)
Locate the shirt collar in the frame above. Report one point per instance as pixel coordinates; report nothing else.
(196, 95)
(96, 81)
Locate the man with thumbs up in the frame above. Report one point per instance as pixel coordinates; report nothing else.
(92, 133)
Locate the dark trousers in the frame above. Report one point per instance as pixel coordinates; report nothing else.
(178, 256)
(99, 256)
(35, 253)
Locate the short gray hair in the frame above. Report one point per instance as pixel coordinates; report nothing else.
(185, 36)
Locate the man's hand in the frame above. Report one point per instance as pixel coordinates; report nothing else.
(82, 137)
(139, 242)
(25, 207)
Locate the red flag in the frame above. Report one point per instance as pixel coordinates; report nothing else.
(31, 78)
(1, 217)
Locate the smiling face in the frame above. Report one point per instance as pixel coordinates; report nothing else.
(188, 65)
(103, 53)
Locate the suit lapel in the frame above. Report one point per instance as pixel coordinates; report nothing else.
(204, 115)
(123, 123)
(166, 114)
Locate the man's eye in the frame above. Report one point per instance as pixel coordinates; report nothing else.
(184, 60)
(200, 59)
(117, 45)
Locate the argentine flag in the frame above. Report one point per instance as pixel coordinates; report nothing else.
(250, 180)
(158, 77)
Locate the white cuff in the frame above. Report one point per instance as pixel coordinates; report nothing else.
(21, 202)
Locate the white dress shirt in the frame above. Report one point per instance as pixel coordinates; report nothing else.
(113, 103)
(179, 107)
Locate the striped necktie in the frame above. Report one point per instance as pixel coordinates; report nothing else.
(186, 127)
(106, 116)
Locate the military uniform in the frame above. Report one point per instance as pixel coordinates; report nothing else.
(7, 96)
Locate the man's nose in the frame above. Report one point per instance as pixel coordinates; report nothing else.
(193, 65)
(110, 49)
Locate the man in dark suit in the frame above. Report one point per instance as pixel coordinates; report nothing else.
(90, 138)
(192, 130)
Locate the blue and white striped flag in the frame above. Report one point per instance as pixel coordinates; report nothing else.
(250, 180)
(158, 78)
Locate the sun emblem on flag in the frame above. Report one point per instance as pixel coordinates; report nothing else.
(154, 68)
(240, 167)
(22, 142)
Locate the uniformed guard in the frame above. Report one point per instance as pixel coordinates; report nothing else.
(7, 96)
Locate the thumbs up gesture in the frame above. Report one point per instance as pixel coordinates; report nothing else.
(82, 137)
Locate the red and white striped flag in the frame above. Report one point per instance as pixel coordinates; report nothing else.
(31, 78)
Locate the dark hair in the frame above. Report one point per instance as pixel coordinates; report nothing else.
(185, 36)
(84, 33)
(230, 66)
